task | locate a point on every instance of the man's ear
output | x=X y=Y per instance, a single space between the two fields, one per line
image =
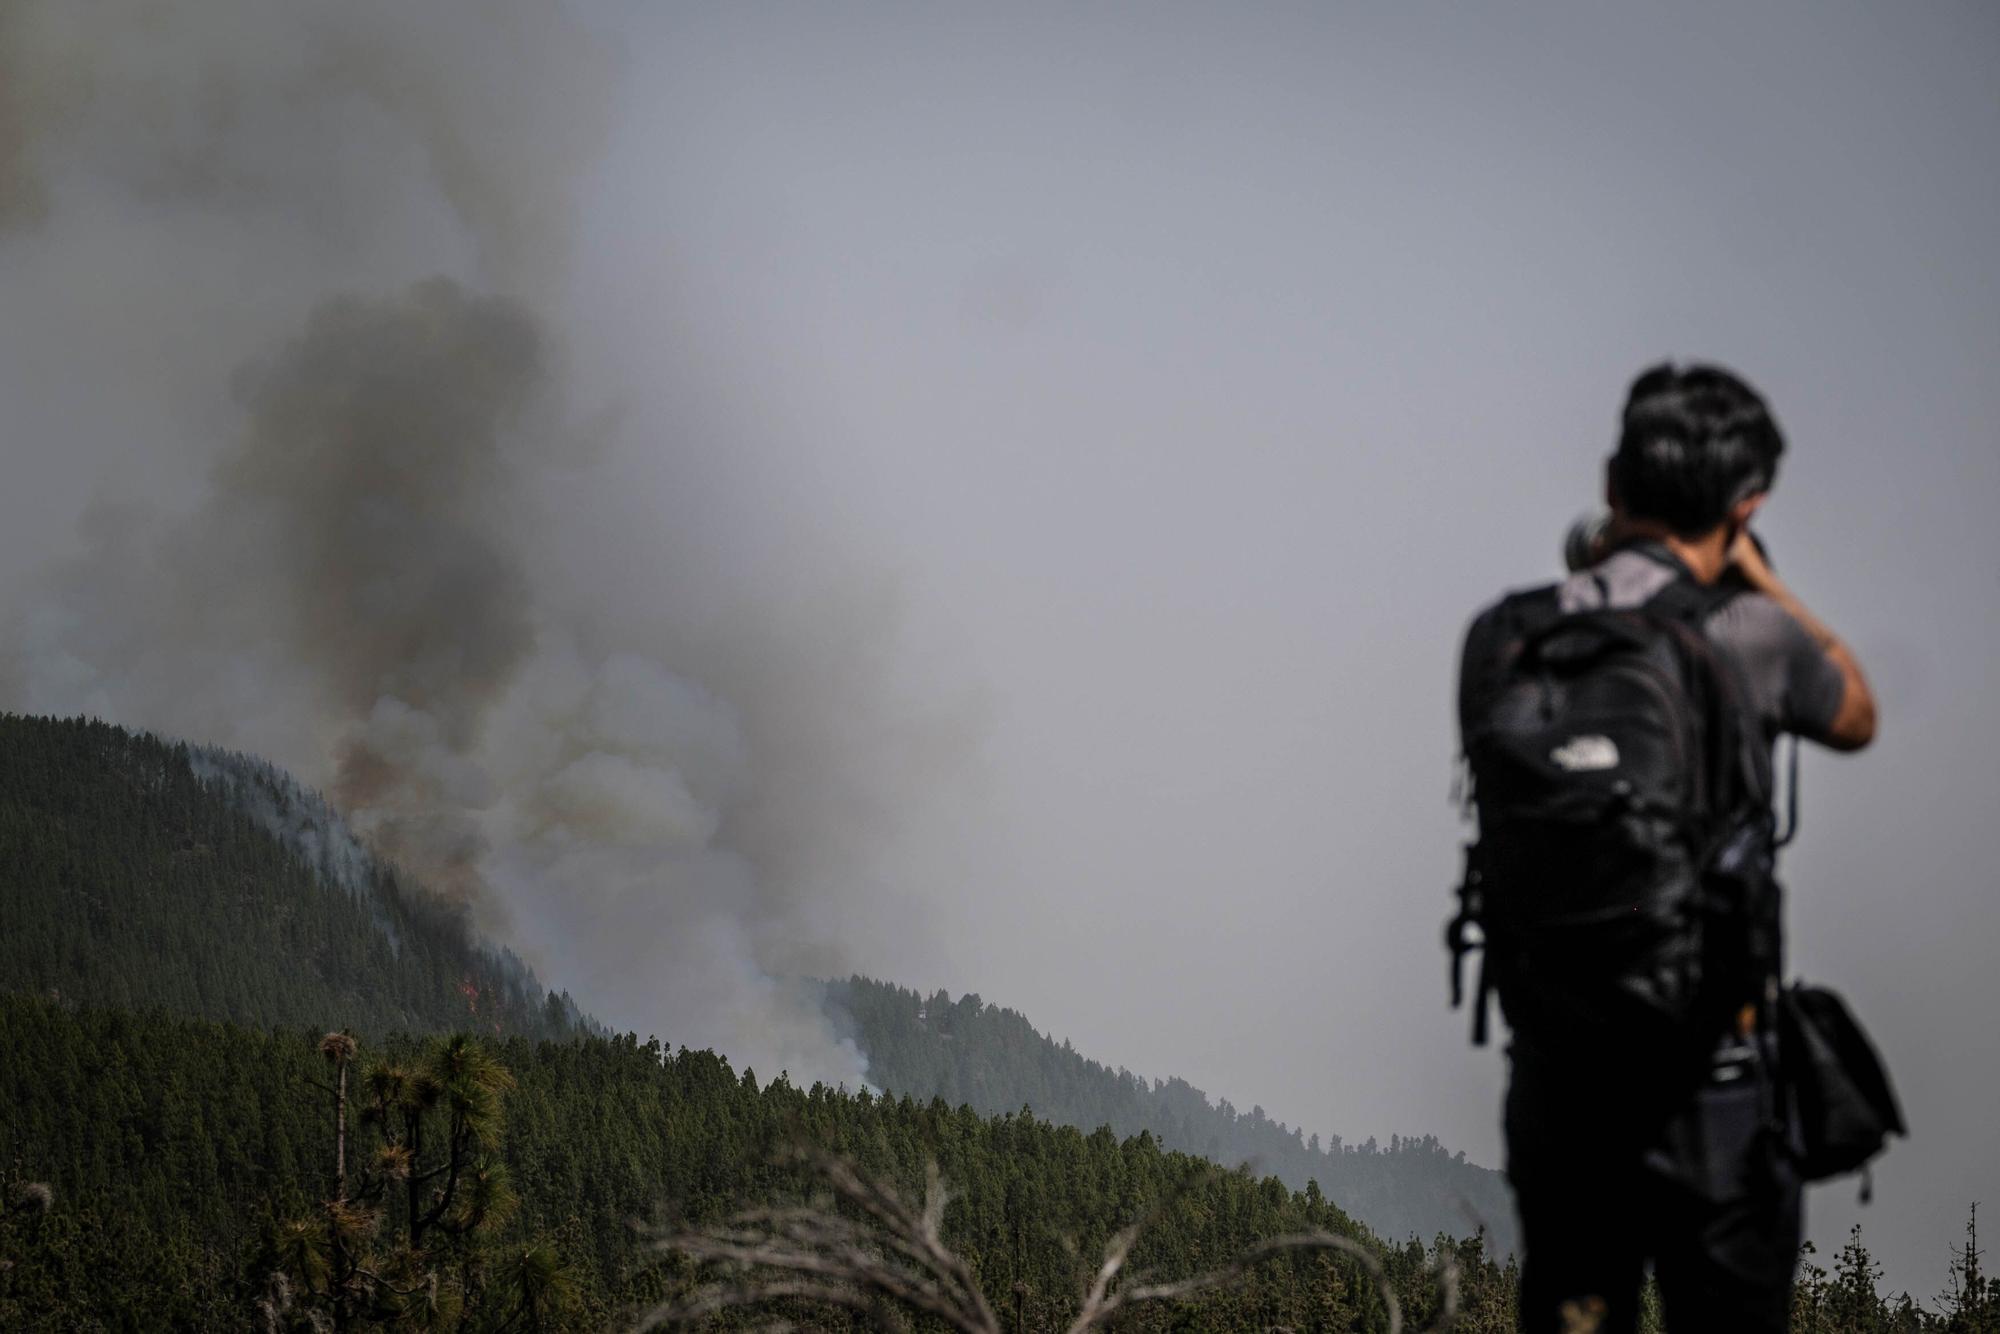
x=1611 y=500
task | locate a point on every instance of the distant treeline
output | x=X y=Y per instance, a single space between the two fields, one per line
x=995 y=1060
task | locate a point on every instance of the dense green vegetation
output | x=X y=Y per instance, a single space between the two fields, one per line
x=142 y=873
x=175 y=1153
x=176 y=1150
x=993 y=1059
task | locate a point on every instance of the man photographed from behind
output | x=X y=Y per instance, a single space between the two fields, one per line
x=1620 y=1152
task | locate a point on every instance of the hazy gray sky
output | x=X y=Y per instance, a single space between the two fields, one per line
x=1091 y=429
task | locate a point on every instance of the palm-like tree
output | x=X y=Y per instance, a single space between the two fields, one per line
x=540 y=1289
x=438 y=1121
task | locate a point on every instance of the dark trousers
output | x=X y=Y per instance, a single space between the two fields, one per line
x=1613 y=1169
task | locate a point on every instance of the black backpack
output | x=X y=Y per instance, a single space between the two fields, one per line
x=1621 y=884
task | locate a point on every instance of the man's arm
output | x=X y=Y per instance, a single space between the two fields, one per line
x=1853 y=724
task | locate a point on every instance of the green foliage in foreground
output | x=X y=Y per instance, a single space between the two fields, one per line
x=155 y=1171
x=994 y=1060
x=177 y=1151
x=140 y=873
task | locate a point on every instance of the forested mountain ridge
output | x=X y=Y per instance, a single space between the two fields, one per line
x=144 y=873
x=995 y=1060
x=178 y=928
x=148 y=1165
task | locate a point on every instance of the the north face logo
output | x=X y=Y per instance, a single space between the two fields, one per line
x=1586 y=754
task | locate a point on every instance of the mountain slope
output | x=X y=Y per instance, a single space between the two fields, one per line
x=995 y=1060
x=148 y=875
x=168 y=1151
x=141 y=873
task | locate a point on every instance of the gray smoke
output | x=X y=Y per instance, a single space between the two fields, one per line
x=313 y=258
x=374 y=483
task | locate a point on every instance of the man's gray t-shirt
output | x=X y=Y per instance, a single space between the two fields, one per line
x=1793 y=685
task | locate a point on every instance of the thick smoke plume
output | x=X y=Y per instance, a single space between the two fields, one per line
x=312 y=257
x=375 y=468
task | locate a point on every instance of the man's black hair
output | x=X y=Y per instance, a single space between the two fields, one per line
x=1695 y=441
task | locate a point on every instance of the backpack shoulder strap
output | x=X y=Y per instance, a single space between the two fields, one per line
x=1734 y=739
x=1693 y=603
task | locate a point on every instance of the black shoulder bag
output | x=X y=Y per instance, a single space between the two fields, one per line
x=1843 y=1108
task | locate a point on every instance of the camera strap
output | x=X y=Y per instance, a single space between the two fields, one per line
x=1791 y=793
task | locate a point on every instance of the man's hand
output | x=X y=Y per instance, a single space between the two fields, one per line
x=1853 y=725
x=1747 y=559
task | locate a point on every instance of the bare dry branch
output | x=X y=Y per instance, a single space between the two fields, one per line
x=817 y=1256
x=1099 y=1308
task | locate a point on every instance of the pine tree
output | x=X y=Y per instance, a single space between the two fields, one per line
x=1972 y=1301
x=1809 y=1295
x=1852 y=1303
x=411 y=1238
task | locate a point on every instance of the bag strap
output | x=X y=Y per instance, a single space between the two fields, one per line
x=1739 y=747
x=1462 y=935
x=1791 y=793
x=1691 y=602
